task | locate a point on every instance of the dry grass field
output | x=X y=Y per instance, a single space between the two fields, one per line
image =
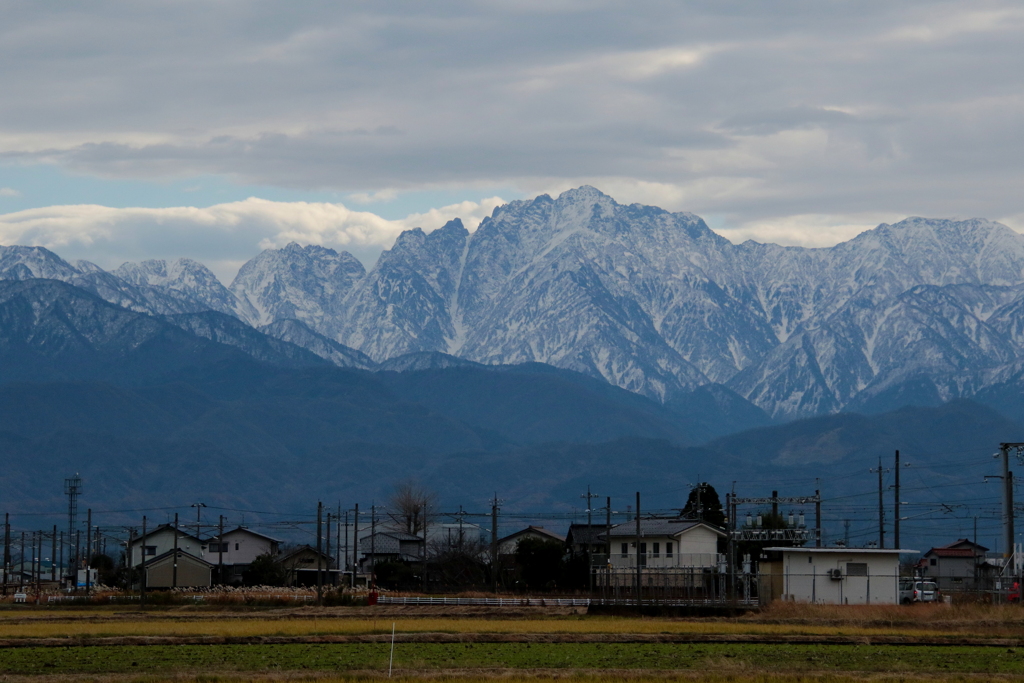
x=783 y=643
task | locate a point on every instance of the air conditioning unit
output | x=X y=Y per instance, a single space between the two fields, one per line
x=835 y=574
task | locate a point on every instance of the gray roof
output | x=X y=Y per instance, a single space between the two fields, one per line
x=659 y=527
x=583 y=534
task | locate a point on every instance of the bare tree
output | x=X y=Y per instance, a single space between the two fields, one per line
x=409 y=504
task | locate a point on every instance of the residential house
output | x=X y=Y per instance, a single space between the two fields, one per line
x=587 y=538
x=160 y=540
x=390 y=546
x=235 y=550
x=672 y=553
x=508 y=544
x=834 y=576
x=958 y=566
x=302 y=564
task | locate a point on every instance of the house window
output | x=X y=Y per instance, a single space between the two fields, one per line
x=657 y=549
x=856 y=568
x=668 y=549
x=625 y=550
x=933 y=562
x=236 y=546
x=151 y=550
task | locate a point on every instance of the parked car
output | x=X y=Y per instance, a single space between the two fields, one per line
x=918 y=590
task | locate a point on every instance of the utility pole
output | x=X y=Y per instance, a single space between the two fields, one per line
x=881 y=505
x=608 y=540
x=373 y=543
x=143 y=578
x=53 y=556
x=174 y=565
x=6 y=550
x=327 y=547
x=590 y=562
x=199 y=524
x=817 y=518
x=896 y=511
x=424 y=546
x=220 y=550
x=88 y=554
x=639 y=571
x=319 y=554
x=355 y=547
x=1008 y=547
x=494 y=541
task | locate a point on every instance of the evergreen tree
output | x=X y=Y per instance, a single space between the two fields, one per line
x=704 y=504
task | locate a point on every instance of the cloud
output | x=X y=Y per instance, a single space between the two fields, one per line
x=751 y=113
x=9 y=192
x=222 y=236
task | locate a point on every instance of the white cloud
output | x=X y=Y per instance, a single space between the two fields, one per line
x=746 y=112
x=9 y=192
x=223 y=235
x=808 y=230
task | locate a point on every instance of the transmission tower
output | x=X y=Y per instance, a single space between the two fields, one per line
x=72 y=488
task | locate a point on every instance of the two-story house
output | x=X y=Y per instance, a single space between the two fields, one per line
x=958 y=566
x=160 y=540
x=235 y=550
x=671 y=553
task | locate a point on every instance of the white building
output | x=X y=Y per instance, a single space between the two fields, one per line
x=664 y=544
x=160 y=540
x=237 y=549
x=834 y=576
x=678 y=554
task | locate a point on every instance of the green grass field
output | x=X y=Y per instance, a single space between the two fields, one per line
x=482 y=657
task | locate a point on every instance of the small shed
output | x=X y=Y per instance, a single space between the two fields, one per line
x=832 y=576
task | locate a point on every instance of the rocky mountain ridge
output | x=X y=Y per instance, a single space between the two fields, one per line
x=921 y=312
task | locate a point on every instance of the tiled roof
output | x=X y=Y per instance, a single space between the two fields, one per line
x=951 y=552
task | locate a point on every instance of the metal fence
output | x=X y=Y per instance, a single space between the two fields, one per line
x=495 y=602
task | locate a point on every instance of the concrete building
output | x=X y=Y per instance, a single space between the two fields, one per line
x=834 y=576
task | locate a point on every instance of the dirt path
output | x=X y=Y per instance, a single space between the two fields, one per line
x=673 y=638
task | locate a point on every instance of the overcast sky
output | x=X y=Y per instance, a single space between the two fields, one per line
x=137 y=130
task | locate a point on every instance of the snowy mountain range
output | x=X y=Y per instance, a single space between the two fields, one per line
x=919 y=312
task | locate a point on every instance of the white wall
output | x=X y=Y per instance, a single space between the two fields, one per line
x=805 y=578
x=243 y=548
x=164 y=542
